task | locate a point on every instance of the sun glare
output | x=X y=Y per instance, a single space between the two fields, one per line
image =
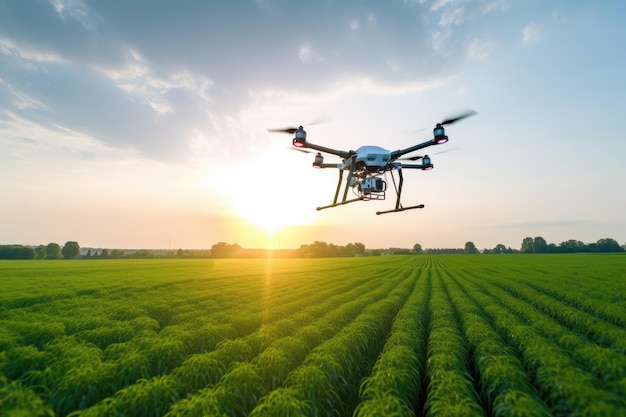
x=270 y=192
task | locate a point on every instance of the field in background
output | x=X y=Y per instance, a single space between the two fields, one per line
x=498 y=335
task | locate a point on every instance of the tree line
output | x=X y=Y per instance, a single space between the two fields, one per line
x=52 y=250
x=317 y=249
x=530 y=245
x=539 y=245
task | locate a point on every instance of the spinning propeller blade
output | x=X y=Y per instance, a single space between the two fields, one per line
x=458 y=117
x=288 y=130
x=418 y=157
x=291 y=130
x=301 y=150
x=412 y=158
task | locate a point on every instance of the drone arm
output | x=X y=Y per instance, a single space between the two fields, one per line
x=319 y=148
x=416 y=166
x=401 y=152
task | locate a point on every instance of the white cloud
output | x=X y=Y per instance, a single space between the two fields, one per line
x=458 y=12
x=366 y=84
x=438 y=4
x=439 y=39
x=22 y=100
x=75 y=9
x=25 y=138
x=22 y=53
x=307 y=53
x=136 y=77
x=531 y=34
x=304 y=53
x=454 y=16
x=477 y=50
x=160 y=107
x=134 y=67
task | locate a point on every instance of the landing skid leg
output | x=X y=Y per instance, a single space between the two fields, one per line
x=400 y=209
x=341 y=203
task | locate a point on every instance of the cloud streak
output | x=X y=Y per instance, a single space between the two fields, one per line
x=531 y=34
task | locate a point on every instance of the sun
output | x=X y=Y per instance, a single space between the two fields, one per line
x=267 y=211
x=271 y=191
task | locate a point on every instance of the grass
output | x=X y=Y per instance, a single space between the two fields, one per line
x=501 y=335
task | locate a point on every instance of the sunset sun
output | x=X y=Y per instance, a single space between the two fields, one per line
x=271 y=196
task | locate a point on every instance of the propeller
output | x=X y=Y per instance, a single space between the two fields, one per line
x=301 y=150
x=288 y=130
x=324 y=118
x=448 y=121
x=418 y=157
x=309 y=151
x=458 y=117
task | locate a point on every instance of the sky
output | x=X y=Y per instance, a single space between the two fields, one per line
x=143 y=124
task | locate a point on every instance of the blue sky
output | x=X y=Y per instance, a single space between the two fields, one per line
x=142 y=124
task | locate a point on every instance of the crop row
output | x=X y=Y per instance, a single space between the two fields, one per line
x=595 y=328
x=396 y=380
x=504 y=386
x=310 y=324
x=304 y=379
x=548 y=351
x=413 y=335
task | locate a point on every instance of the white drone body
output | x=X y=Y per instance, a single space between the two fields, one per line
x=373 y=156
x=368 y=164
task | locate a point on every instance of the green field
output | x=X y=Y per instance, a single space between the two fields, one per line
x=446 y=335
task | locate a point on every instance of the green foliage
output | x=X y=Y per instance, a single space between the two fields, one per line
x=367 y=336
x=70 y=250
x=16 y=252
x=18 y=401
x=470 y=248
x=53 y=251
x=41 y=253
x=282 y=402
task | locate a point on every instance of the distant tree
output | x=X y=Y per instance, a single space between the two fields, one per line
x=528 y=245
x=224 y=250
x=359 y=248
x=116 y=254
x=500 y=248
x=470 y=248
x=88 y=255
x=70 y=250
x=608 y=245
x=16 y=252
x=417 y=248
x=445 y=251
x=143 y=254
x=53 y=251
x=540 y=245
x=104 y=253
x=571 y=246
x=40 y=254
x=399 y=251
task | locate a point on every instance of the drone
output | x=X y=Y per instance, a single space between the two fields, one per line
x=368 y=165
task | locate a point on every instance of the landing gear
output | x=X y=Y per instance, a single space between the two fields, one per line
x=371 y=188
x=399 y=206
